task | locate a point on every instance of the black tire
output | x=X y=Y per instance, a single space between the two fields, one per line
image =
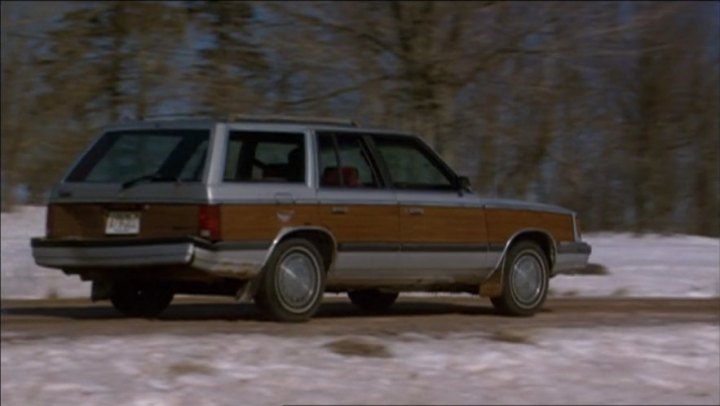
x=278 y=289
x=140 y=300
x=372 y=300
x=518 y=298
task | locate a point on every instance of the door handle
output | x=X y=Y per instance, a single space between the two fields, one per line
x=339 y=210
x=415 y=211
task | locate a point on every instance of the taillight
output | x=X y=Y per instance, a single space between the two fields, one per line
x=209 y=222
x=49 y=220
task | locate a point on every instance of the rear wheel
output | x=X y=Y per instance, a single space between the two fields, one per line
x=525 y=280
x=292 y=283
x=140 y=300
x=372 y=300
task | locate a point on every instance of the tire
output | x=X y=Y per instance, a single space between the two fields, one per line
x=140 y=300
x=372 y=300
x=525 y=280
x=292 y=282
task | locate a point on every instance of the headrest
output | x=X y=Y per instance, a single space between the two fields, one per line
x=331 y=176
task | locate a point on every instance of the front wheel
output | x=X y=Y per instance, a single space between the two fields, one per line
x=525 y=280
x=140 y=300
x=292 y=283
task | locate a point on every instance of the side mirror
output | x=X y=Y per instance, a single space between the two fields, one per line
x=463 y=183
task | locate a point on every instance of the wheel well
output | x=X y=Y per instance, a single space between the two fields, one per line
x=322 y=240
x=540 y=238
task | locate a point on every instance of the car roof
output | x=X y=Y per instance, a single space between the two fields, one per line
x=250 y=123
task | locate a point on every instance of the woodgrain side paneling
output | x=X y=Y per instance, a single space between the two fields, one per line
x=262 y=222
x=361 y=223
x=443 y=225
x=503 y=223
x=156 y=221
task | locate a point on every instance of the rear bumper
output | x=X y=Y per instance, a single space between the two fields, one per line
x=571 y=257
x=242 y=261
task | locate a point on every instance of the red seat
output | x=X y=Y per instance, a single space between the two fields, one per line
x=331 y=176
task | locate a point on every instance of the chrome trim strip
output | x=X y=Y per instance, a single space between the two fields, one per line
x=373 y=202
x=443 y=247
x=368 y=247
x=240 y=246
x=272 y=202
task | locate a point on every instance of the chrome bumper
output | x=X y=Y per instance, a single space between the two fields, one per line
x=229 y=260
x=571 y=257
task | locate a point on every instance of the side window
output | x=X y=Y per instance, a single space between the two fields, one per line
x=265 y=157
x=412 y=165
x=344 y=162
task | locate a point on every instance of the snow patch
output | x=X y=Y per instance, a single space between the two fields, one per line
x=671 y=364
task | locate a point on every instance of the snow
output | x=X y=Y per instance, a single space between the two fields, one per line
x=639 y=266
x=20 y=277
x=648 y=266
x=677 y=364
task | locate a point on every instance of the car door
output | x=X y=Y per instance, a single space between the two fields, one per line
x=358 y=208
x=442 y=230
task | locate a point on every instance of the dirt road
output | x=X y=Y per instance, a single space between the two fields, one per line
x=433 y=316
x=448 y=350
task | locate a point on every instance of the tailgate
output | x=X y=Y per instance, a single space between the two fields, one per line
x=110 y=220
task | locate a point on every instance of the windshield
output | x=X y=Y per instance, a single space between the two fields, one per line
x=161 y=155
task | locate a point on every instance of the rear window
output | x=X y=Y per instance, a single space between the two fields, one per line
x=265 y=157
x=168 y=155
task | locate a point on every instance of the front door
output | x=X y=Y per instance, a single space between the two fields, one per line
x=442 y=231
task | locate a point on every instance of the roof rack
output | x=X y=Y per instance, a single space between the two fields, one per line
x=248 y=118
x=291 y=119
x=177 y=115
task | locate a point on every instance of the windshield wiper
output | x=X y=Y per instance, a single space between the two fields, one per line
x=152 y=177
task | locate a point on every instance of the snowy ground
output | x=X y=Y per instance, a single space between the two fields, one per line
x=644 y=365
x=664 y=364
x=671 y=266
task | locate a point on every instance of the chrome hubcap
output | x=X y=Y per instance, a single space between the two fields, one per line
x=527 y=279
x=297 y=279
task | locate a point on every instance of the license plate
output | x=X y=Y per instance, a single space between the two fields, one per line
x=122 y=222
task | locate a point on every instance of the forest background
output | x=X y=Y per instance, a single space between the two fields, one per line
x=609 y=108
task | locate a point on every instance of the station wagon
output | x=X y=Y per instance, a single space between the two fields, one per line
x=281 y=210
